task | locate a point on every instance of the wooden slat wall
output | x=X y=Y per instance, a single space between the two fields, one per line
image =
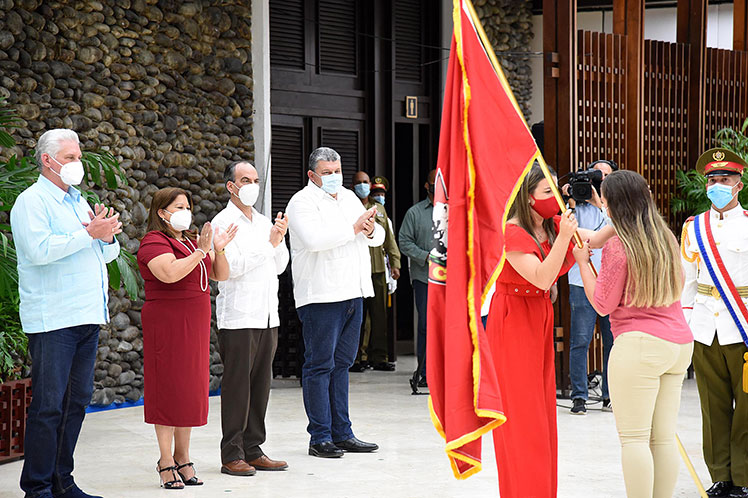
x=601 y=98
x=726 y=81
x=666 y=67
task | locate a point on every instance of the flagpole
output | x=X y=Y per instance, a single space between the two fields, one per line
x=691 y=470
x=497 y=69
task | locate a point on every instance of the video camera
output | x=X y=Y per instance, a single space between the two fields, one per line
x=581 y=184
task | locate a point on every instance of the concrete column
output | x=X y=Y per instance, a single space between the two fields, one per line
x=261 y=130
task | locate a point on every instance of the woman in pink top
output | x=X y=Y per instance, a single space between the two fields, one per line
x=639 y=285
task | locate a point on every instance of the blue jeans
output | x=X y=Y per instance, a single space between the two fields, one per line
x=331 y=332
x=421 y=291
x=583 y=317
x=62 y=370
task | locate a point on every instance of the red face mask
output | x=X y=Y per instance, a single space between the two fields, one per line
x=547 y=208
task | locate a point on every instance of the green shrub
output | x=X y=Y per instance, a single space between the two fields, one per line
x=690 y=198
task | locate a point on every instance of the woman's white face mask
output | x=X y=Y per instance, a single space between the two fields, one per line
x=180 y=220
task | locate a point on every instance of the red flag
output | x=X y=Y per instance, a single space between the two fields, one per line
x=485 y=149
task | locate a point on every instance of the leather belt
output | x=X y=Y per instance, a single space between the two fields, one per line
x=710 y=290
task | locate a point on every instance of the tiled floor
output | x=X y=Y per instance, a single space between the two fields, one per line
x=117 y=452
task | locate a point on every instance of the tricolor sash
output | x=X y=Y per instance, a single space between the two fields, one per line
x=722 y=281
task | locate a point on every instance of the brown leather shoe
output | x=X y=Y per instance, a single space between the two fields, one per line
x=265 y=463
x=238 y=468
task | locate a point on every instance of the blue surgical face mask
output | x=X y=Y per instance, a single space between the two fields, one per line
x=720 y=195
x=362 y=190
x=378 y=198
x=331 y=183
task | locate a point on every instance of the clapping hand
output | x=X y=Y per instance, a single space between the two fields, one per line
x=104 y=224
x=222 y=238
x=365 y=222
x=278 y=230
x=205 y=238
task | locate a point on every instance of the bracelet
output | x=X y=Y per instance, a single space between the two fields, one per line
x=221 y=251
x=204 y=253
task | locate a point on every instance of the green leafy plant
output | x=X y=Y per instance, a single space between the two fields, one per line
x=14 y=359
x=690 y=198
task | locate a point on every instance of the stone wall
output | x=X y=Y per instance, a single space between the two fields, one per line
x=165 y=85
x=508 y=25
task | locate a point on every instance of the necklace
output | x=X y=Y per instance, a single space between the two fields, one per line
x=540 y=235
x=203 y=268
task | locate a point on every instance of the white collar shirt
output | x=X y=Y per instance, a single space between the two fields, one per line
x=249 y=298
x=329 y=262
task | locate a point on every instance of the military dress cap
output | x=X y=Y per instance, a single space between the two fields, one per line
x=719 y=161
x=380 y=183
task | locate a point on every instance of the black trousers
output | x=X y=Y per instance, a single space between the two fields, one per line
x=247 y=356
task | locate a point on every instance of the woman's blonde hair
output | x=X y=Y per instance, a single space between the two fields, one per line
x=655 y=274
x=521 y=209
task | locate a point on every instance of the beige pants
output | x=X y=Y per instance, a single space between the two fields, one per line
x=645 y=376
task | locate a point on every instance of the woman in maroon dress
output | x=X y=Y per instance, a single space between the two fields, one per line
x=176 y=266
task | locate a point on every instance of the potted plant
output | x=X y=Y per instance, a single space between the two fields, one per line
x=17 y=174
x=691 y=198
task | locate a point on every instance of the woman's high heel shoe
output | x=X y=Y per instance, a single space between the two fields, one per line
x=175 y=483
x=192 y=481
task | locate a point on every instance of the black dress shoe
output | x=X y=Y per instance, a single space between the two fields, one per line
x=422 y=382
x=720 y=489
x=357 y=368
x=384 y=366
x=739 y=492
x=354 y=445
x=325 y=450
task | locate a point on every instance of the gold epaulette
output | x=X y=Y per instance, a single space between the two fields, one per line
x=684 y=241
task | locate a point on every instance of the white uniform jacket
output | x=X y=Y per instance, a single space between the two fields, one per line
x=708 y=315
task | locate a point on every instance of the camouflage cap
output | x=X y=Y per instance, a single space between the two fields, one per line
x=720 y=161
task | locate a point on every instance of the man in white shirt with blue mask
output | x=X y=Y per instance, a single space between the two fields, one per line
x=247 y=316
x=330 y=232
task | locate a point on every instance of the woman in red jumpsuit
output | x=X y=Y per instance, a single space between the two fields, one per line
x=520 y=329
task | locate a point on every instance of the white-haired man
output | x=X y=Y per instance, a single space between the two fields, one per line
x=63 y=248
x=331 y=233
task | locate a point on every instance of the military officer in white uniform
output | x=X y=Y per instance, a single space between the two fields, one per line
x=719 y=347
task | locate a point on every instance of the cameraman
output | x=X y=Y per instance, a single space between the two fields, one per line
x=590 y=215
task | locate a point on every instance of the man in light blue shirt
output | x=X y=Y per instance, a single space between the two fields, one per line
x=583 y=316
x=63 y=247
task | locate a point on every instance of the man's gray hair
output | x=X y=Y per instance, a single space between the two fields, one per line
x=229 y=174
x=322 y=154
x=51 y=142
